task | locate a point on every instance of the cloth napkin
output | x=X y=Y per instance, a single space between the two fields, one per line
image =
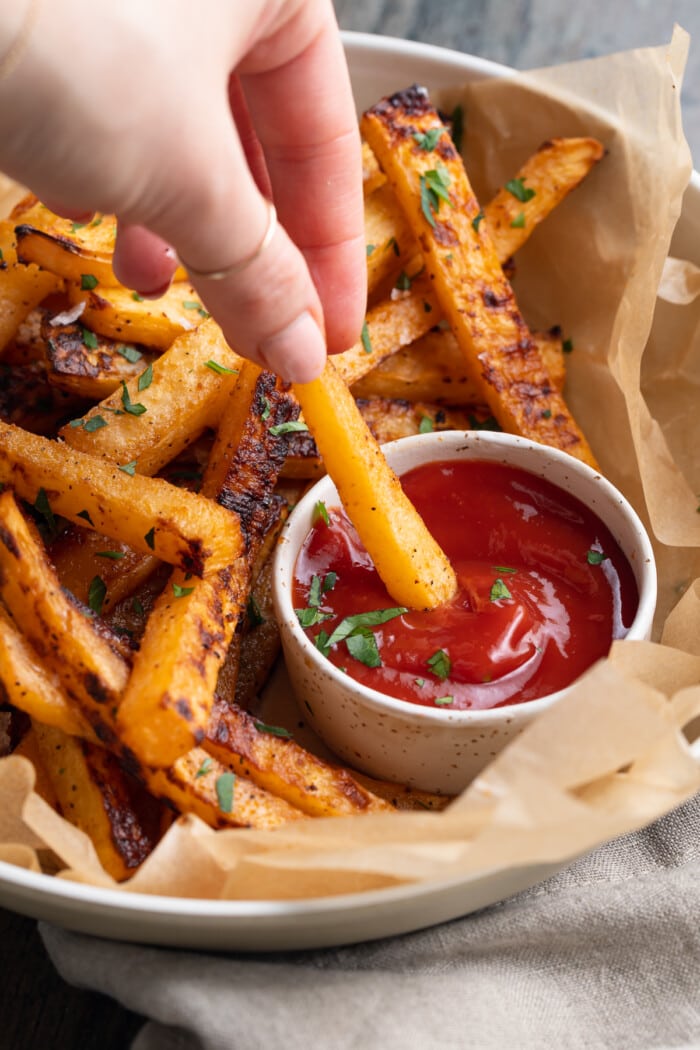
x=605 y=954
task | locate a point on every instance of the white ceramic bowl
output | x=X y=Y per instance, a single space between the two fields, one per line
x=378 y=65
x=438 y=749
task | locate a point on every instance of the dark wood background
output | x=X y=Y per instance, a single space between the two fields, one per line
x=37 y=1009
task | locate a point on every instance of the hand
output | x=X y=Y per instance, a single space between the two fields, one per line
x=181 y=119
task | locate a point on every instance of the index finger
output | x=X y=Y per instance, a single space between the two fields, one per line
x=304 y=115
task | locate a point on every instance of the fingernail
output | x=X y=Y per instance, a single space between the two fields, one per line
x=156 y=293
x=297 y=352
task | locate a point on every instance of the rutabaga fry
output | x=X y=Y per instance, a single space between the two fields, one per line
x=414 y=569
x=183 y=393
x=461 y=260
x=149 y=514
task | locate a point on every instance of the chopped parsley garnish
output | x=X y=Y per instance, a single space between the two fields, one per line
x=192 y=304
x=75 y=226
x=369 y=619
x=310 y=616
x=204 y=768
x=366 y=342
x=97 y=592
x=547 y=413
x=567 y=346
x=129 y=468
x=84 y=514
x=90 y=339
x=426 y=425
x=320 y=513
x=440 y=664
x=88 y=281
x=427 y=140
x=252 y=609
x=499 y=590
x=594 y=557
x=420 y=682
x=265 y=414
x=319 y=587
x=136 y=297
x=519 y=221
x=369 y=248
x=130 y=353
x=393 y=243
x=434 y=188
x=403 y=282
x=43 y=507
x=363 y=646
x=91 y=424
x=294 y=426
x=145 y=379
x=224 y=791
x=520 y=191
x=150 y=538
x=181 y=592
x=280 y=731
x=138 y=608
x=483 y=424
x=503 y=568
x=134 y=409
x=112 y=555
x=444 y=701
x=221 y=370
x=476 y=221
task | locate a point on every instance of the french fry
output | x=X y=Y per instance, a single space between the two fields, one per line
x=93 y=793
x=81 y=555
x=168 y=700
x=89 y=367
x=118 y=314
x=31 y=688
x=432 y=369
x=198 y=783
x=70 y=249
x=91 y=674
x=271 y=759
x=551 y=173
x=432 y=187
x=28 y=400
x=390 y=244
x=150 y=515
x=22 y=288
x=414 y=569
x=189 y=385
x=389 y=325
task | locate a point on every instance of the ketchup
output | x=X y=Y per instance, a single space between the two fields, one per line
x=543 y=591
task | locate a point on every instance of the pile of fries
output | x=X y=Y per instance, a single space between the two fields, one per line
x=147 y=469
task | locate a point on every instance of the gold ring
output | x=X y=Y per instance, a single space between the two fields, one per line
x=237 y=267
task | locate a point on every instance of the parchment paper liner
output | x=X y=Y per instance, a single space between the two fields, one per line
x=611 y=757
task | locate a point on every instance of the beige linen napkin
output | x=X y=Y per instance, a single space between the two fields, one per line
x=604 y=955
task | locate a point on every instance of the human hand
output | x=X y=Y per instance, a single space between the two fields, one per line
x=134 y=109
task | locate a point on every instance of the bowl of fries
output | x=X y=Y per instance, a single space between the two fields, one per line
x=166 y=643
x=437 y=748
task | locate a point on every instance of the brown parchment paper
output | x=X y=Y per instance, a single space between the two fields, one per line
x=612 y=756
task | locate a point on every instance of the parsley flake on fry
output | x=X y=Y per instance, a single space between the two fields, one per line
x=90 y=339
x=204 y=768
x=279 y=731
x=519 y=190
x=224 y=791
x=294 y=426
x=427 y=140
x=221 y=370
x=97 y=592
x=181 y=592
x=88 y=281
x=366 y=341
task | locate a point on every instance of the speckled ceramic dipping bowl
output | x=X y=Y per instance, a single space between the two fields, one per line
x=437 y=749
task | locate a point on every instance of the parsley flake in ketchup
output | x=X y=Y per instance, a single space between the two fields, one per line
x=543 y=591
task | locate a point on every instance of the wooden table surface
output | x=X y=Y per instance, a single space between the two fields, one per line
x=37 y=1009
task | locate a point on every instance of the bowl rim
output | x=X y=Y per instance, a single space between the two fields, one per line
x=417 y=714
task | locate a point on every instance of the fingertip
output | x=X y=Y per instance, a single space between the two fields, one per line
x=143 y=261
x=297 y=352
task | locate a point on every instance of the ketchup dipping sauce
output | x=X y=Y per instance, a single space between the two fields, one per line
x=544 y=590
